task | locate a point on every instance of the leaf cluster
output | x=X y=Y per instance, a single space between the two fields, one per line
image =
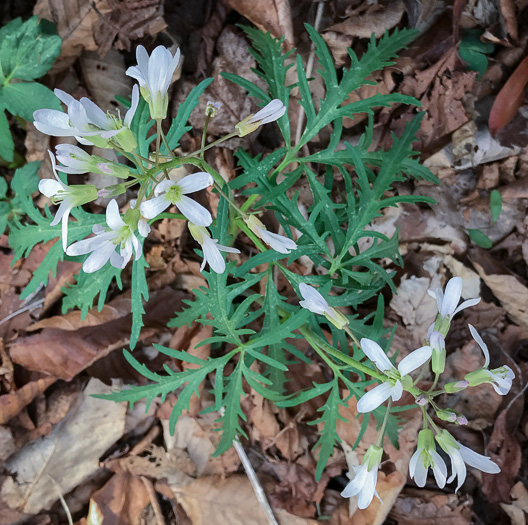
x=27 y=51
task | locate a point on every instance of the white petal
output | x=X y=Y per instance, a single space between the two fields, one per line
x=99 y=257
x=374 y=398
x=473 y=459
x=355 y=485
x=116 y=260
x=458 y=468
x=153 y=207
x=369 y=488
x=113 y=217
x=313 y=300
x=88 y=245
x=420 y=476
x=467 y=304
x=195 y=182
x=414 y=460
x=227 y=249
x=50 y=187
x=414 y=360
x=143 y=228
x=439 y=469
x=438 y=296
x=376 y=354
x=482 y=344
x=133 y=107
x=137 y=74
x=194 y=212
x=397 y=391
x=54 y=123
x=213 y=256
x=64 y=209
x=65 y=229
x=452 y=295
x=279 y=243
x=95 y=114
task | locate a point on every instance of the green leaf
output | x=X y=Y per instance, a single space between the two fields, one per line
x=495 y=205
x=178 y=127
x=473 y=51
x=5 y=210
x=7 y=146
x=23 y=98
x=480 y=239
x=138 y=293
x=83 y=293
x=3 y=188
x=28 y=50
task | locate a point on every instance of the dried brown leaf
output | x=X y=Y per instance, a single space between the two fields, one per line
x=11 y=404
x=509 y=99
x=64 y=353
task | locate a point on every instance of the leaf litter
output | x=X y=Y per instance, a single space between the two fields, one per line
x=52 y=432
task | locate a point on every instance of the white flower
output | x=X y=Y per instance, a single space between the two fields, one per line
x=87 y=122
x=105 y=243
x=392 y=387
x=68 y=196
x=317 y=304
x=500 y=378
x=76 y=160
x=460 y=455
x=210 y=247
x=427 y=457
x=279 y=243
x=169 y=192
x=448 y=303
x=269 y=113
x=143 y=226
x=154 y=75
x=363 y=485
x=212 y=108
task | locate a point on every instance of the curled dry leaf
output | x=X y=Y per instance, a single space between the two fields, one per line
x=268 y=15
x=64 y=353
x=121 y=500
x=509 y=99
x=16 y=400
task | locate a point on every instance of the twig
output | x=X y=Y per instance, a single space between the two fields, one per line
x=309 y=67
x=257 y=487
x=36 y=304
x=160 y=520
x=63 y=501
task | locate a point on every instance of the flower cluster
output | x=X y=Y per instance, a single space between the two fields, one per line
x=123 y=235
x=397 y=379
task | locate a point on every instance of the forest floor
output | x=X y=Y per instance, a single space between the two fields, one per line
x=124 y=460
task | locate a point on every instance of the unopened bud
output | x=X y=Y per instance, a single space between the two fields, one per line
x=446 y=415
x=112 y=191
x=456 y=386
x=461 y=420
x=422 y=400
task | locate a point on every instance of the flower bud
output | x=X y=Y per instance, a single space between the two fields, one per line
x=456 y=386
x=438 y=358
x=446 y=415
x=212 y=108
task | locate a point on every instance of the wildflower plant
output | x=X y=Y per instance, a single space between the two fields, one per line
x=254 y=332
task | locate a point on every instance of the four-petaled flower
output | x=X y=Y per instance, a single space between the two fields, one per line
x=88 y=123
x=169 y=192
x=269 y=113
x=279 y=243
x=210 y=247
x=392 y=387
x=154 y=75
x=363 y=485
x=103 y=247
x=317 y=304
x=427 y=457
x=460 y=455
x=500 y=378
x=68 y=196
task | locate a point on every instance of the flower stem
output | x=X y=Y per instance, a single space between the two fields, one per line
x=158 y=139
x=379 y=442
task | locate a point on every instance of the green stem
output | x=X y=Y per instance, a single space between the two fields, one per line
x=379 y=441
x=158 y=139
x=209 y=146
x=204 y=135
x=352 y=336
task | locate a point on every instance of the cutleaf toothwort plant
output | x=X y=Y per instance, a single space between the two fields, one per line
x=253 y=332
